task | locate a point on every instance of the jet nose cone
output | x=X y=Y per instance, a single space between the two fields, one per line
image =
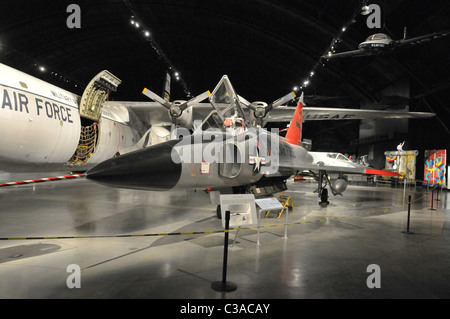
x=151 y=168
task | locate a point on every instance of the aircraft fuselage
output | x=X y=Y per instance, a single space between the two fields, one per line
x=40 y=126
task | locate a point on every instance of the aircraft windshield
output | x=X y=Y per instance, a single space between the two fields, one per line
x=225 y=100
x=378 y=36
x=213 y=121
x=338 y=156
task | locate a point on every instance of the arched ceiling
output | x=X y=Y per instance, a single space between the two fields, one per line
x=265 y=47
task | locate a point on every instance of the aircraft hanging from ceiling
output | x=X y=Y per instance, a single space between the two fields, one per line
x=46 y=128
x=381 y=43
x=238 y=157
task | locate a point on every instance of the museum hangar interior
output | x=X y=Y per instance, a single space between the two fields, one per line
x=267 y=49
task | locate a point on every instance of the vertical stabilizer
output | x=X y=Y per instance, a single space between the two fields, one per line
x=294 y=133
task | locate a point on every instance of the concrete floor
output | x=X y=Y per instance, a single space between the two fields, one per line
x=326 y=254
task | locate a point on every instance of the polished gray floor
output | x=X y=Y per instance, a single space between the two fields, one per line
x=326 y=254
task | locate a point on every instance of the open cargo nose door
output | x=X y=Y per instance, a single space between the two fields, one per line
x=91 y=105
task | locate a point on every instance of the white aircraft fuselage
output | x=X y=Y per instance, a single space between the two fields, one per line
x=40 y=125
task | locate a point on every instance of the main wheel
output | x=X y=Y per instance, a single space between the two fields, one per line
x=324 y=197
x=219 y=212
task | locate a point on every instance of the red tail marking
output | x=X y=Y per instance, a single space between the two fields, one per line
x=294 y=133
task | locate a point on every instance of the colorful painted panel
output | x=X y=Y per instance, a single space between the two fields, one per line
x=435 y=165
x=402 y=162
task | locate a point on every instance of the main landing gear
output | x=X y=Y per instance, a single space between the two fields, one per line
x=323 y=197
x=322 y=190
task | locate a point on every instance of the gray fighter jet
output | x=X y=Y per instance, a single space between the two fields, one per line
x=225 y=152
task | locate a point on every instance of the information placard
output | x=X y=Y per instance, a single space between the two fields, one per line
x=242 y=209
x=268 y=203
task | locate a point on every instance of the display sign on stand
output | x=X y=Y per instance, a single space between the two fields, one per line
x=269 y=203
x=237 y=210
x=242 y=209
x=265 y=205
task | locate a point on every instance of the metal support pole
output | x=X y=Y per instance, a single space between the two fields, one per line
x=224 y=285
x=259 y=228
x=404 y=192
x=432 y=199
x=409 y=212
x=409 y=216
x=235 y=237
x=286 y=222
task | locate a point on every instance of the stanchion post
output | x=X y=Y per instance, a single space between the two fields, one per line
x=409 y=212
x=432 y=199
x=224 y=285
x=286 y=222
x=259 y=228
x=409 y=216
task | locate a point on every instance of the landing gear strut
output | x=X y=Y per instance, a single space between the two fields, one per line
x=322 y=190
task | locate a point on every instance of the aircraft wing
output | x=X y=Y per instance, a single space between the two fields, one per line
x=285 y=113
x=147 y=112
x=153 y=113
x=350 y=169
x=345 y=54
x=335 y=163
x=423 y=38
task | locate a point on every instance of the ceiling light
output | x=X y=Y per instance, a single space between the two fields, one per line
x=343 y=29
x=147 y=34
x=305 y=83
x=365 y=10
x=42 y=69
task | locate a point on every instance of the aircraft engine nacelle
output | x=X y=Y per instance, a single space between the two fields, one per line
x=235 y=166
x=260 y=108
x=185 y=119
x=339 y=185
x=158 y=134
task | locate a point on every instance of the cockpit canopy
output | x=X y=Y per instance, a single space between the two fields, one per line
x=225 y=100
x=338 y=156
x=379 y=36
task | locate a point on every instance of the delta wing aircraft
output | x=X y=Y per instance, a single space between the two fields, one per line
x=227 y=153
x=46 y=128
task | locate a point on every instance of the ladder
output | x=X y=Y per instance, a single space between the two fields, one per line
x=286 y=201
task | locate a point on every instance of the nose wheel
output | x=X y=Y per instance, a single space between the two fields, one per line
x=219 y=212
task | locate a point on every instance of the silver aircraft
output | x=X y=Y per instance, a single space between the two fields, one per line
x=228 y=153
x=381 y=43
x=46 y=128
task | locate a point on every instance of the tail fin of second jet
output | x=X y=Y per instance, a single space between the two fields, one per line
x=294 y=133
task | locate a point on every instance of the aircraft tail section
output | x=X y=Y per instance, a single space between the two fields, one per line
x=294 y=133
